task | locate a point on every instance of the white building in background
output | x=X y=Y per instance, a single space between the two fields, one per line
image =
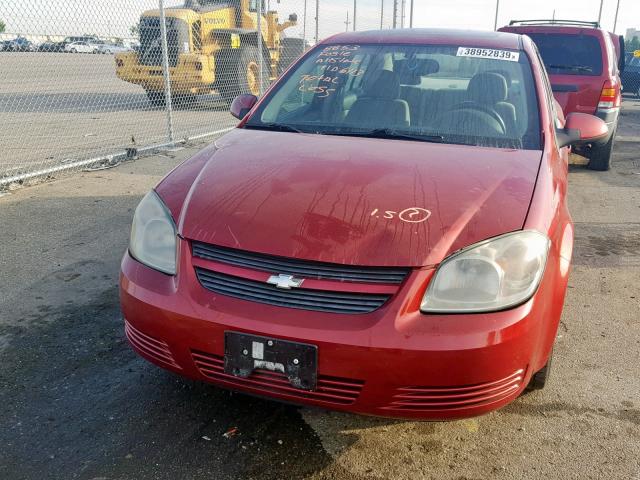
x=632 y=32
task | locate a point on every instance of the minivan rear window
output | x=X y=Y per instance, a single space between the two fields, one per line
x=569 y=54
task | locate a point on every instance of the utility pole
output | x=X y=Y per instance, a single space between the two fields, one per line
x=395 y=13
x=615 y=21
x=495 y=23
x=411 y=15
x=347 y=23
x=260 y=57
x=354 y=14
x=402 y=10
x=165 y=73
x=317 y=13
x=600 y=12
x=304 y=24
x=381 y=13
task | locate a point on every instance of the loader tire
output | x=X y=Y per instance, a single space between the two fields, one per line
x=237 y=73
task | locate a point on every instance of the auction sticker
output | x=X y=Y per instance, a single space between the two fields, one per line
x=488 y=53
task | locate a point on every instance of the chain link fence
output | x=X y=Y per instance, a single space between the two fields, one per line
x=89 y=84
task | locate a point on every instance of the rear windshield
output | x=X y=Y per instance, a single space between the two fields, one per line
x=444 y=94
x=569 y=54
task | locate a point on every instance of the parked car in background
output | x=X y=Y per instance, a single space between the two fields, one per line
x=631 y=76
x=49 y=46
x=5 y=46
x=81 y=47
x=385 y=232
x=110 y=48
x=21 y=44
x=81 y=38
x=584 y=68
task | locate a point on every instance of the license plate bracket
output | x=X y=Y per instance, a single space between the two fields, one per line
x=243 y=353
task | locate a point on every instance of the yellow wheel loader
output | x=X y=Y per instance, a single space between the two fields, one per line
x=212 y=45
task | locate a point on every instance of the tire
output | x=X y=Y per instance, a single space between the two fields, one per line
x=237 y=73
x=156 y=98
x=178 y=100
x=291 y=50
x=540 y=378
x=600 y=155
x=183 y=100
x=73 y=50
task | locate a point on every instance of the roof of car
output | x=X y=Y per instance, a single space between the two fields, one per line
x=425 y=36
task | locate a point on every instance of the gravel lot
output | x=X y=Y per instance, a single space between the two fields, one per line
x=76 y=402
x=83 y=110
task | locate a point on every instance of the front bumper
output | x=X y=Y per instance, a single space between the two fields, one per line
x=393 y=362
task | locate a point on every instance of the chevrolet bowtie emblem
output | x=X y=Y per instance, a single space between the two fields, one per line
x=286 y=282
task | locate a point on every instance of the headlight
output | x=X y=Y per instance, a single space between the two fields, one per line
x=493 y=275
x=153 y=235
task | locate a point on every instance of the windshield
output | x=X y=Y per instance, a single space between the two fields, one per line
x=445 y=94
x=569 y=54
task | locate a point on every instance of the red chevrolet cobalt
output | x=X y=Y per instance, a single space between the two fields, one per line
x=385 y=232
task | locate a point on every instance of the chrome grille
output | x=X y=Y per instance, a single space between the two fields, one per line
x=301 y=298
x=294 y=266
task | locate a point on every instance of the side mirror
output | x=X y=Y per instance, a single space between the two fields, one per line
x=293 y=18
x=242 y=104
x=581 y=128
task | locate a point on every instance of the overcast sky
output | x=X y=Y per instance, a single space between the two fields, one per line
x=114 y=17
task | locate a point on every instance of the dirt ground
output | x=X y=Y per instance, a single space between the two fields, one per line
x=76 y=402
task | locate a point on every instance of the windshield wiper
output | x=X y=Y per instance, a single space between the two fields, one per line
x=279 y=127
x=578 y=68
x=388 y=133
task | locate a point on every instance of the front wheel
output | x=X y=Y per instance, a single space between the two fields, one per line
x=541 y=377
x=184 y=100
x=178 y=100
x=239 y=73
x=156 y=98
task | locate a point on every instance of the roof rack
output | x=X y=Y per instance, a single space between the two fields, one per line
x=571 y=23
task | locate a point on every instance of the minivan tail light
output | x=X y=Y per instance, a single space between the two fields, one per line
x=609 y=97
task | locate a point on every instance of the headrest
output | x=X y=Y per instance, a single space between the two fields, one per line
x=506 y=74
x=487 y=88
x=385 y=84
x=411 y=71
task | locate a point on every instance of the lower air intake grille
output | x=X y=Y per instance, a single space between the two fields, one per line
x=305 y=299
x=452 y=398
x=331 y=390
x=148 y=346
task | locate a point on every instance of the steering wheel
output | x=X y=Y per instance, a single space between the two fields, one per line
x=471 y=105
x=468 y=121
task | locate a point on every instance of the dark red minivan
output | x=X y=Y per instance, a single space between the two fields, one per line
x=385 y=232
x=583 y=62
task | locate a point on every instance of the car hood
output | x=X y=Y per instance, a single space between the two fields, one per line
x=359 y=201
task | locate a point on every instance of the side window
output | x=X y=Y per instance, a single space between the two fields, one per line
x=549 y=93
x=196 y=34
x=253 y=6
